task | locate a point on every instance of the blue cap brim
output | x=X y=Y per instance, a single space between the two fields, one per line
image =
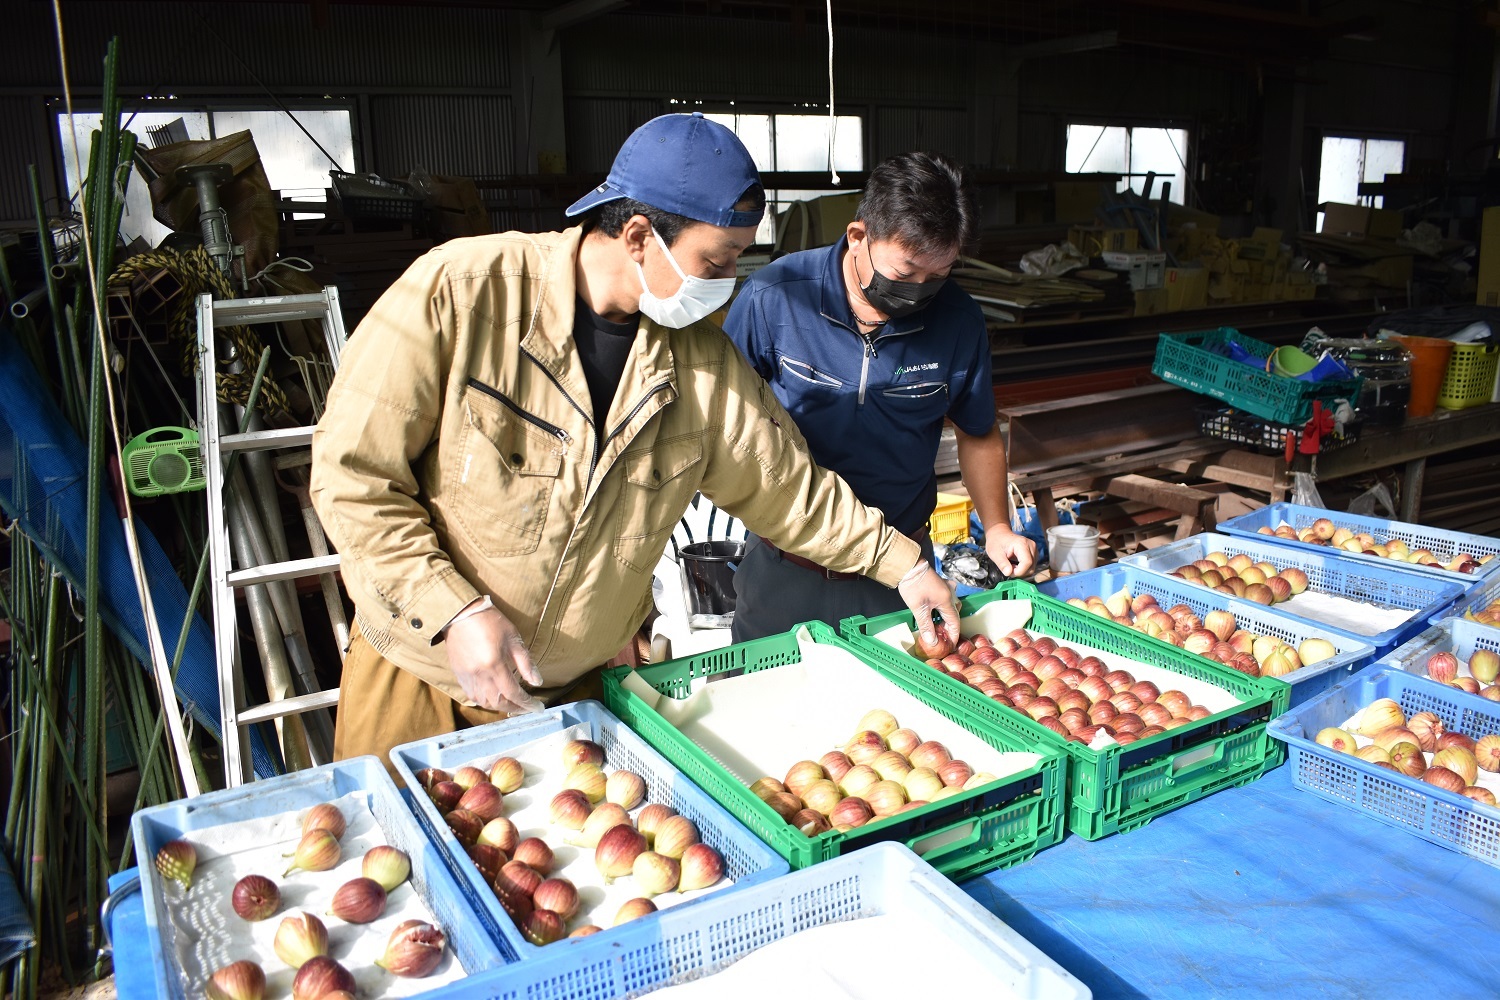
x=598 y=196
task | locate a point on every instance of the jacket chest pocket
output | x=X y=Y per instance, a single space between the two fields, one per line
x=502 y=480
x=658 y=484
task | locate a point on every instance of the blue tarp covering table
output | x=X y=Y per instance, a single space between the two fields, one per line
x=1255 y=891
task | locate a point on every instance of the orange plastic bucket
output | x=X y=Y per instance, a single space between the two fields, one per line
x=1429 y=363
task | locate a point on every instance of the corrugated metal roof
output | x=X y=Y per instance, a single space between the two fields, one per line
x=21 y=146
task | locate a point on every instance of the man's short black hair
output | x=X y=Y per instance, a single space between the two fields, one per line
x=921 y=201
x=610 y=217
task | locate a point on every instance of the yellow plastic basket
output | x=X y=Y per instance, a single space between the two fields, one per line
x=1470 y=378
x=949 y=522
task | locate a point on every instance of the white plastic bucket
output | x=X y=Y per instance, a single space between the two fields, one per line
x=1072 y=548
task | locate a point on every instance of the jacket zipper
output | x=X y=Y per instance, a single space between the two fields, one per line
x=864 y=368
x=631 y=415
x=530 y=418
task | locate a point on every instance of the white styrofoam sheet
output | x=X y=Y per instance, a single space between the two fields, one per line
x=1359 y=617
x=208 y=934
x=999 y=617
x=530 y=809
x=760 y=724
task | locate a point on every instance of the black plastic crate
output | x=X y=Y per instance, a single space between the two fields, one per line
x=1232 y=425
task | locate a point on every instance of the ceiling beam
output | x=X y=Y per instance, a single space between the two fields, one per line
x=576 y=12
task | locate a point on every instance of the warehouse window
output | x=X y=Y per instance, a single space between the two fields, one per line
x=293 y=163
x=1134 y=151
x=796 y=142
x=1347 y=162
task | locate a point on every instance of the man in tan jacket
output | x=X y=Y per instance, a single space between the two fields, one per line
x=519 y=423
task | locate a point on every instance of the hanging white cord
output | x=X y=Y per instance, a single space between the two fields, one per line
x=833 y=121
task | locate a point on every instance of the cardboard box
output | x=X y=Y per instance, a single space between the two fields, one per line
x=457 y=208
x=816 y=222
x=1488 y=274
x=1263 y=244
x=1302 y=292
x=1152 y=301
x=1187 y=288
x=1387 y=272
x=1076 y=201
x=1095 y=241
x=1360 y=220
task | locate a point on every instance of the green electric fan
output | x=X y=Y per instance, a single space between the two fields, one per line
x=164 y=460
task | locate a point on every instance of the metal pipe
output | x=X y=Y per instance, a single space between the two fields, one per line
x=22 y=307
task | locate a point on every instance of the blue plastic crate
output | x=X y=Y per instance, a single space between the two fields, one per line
x=1341 y=575
x=1451 y=635
x=1481 y=596
x=1306 y=682
x=677 y=946
x=1442 y=543
x=1445 y=818
x=192 y=819
x=747 y=861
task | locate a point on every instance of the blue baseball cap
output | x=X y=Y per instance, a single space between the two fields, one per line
x=683 y=164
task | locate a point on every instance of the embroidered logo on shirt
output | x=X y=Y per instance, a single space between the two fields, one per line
x=931 y=366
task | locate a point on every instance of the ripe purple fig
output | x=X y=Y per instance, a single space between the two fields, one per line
x=582 y=752
x=255 y=897
x=415 y=948
x=358 y=901
x=319 y=977
x=325 y=817
x=702 y=866
x=483 y=800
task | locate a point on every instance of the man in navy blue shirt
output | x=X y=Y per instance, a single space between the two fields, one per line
x=869 y=347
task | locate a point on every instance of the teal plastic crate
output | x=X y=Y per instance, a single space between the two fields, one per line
x=1117 y=788
x=1439 y=541
x=675 y=947
x=747 y=861
x=993 y=826
x=194 y=820
x=1192 y=361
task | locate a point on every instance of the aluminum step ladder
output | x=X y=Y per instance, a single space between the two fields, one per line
x=259 y=573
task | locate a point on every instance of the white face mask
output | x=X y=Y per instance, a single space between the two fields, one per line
x=696 y=299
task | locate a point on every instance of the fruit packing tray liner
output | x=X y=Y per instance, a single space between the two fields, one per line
x=757 y=725
x=207 y=934
x=1347 y=614
x=530 y=809
x=825 y=969
x=999 y=617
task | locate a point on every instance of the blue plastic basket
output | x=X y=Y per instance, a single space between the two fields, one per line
x=1306 y=682
x=676 y=945
x=1441 y=543
x=193 y=818
x=747 y=861
x=1451 y=635
x=1445 y=818
x=1343 y=576
x=1481 y=596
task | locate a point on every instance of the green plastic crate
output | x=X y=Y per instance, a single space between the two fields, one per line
x=995 y=826
x=1118 y=788
x=1189 y=360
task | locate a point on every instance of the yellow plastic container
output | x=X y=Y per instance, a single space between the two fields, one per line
x=949 y=522
x=1470 y=377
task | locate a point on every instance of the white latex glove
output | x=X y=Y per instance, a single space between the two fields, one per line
x=925 y=592
x=490 y=661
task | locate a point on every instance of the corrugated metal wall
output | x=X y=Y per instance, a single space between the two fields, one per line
x=447 y=134
x=22 y=144
x=935 y=130
x=362 y=48
x=597 y=126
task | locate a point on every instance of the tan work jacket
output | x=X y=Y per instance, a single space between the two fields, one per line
x=456 y=458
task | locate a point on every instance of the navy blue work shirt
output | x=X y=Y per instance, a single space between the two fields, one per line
x=870 y=405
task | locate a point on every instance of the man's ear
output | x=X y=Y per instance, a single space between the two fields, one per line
x=636 y=232
x=855 y=232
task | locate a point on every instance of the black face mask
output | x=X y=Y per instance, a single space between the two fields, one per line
x=897 y=298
